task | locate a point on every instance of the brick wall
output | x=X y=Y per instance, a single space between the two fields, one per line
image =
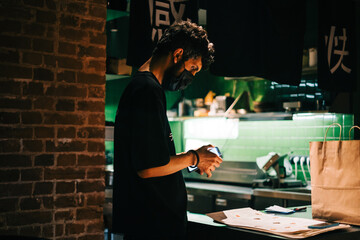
x=52 y=99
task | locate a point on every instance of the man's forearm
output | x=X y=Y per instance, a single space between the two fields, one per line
x=176 y=163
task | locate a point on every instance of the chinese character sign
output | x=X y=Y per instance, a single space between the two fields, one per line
x=149 y=19
x=337 y=67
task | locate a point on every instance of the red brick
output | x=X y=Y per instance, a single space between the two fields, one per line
x=32 y=146
x=47 y=103
x=92 y=51
x=10 y=26
x=48 y=202
x=95 y=199
x=65 y=187
x=50 y=33
x=48 y=231
x=69 y=20
x=91 y=78
x=75 y=228
x=67 y=48
x=12 y=88
x=93 y=25
x=30 y=231
x=43 y=45
x=15 y=189
x=27 y=218
x=98 y=38
x=96 y=146
x=9 y=146
x=66 y=160
x=65 y=201
x=95 y=173
x=65 y=105
x=66 y=76
x=88 y=213
x=17 y=13
x=98 y=11
x=65 y=146
x=96 y=227
x=66 y=118
x=64 y=215
x=9 y=117
x=45 y=17
x=8 y=231
x=15 y=160
x=69 y=34
x=43 y=188
x=9 y=56
x=68 y=132
x=10 y=132
x=34 y=29
x=91 y=160
x=91 y=132
x=31 y=118
x=15 y=71
x=50 y=4
x=9 y=204
x=91 y=106
x=44 y=160
x=77 y=8
x=32 y=58
x=59 y=230
x=33 y=174
x=15 y=103
x=91 y=186
x=43 y=74
x=44 y=132
x=66 y=91
x=15 y=42
x=64 y=173
x=34 y=3
x=50 y=61
x=33 y=89
x=98 y=66
x=69 y=63
x=30 y=203
x=97 y=119
x=9 y=175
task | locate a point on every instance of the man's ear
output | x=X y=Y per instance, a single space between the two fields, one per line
x=177 y=55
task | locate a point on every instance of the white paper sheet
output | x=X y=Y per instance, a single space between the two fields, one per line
x=248 y=217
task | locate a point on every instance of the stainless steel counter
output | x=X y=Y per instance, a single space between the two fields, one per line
x=300 y=193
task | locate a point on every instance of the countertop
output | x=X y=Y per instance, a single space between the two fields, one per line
x=201 y=226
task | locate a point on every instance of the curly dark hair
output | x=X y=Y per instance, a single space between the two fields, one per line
x=191 y=38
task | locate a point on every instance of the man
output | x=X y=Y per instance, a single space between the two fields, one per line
x=149 y=200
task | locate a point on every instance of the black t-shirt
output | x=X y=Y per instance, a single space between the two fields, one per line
x=153 y=207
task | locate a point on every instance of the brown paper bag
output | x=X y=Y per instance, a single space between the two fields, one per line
x=335 y=180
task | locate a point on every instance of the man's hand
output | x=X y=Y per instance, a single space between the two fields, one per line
x=208 y=160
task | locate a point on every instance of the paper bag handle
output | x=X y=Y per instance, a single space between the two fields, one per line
x=351 y=130
x=334 y=124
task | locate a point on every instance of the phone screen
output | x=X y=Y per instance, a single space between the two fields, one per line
x=323 y=225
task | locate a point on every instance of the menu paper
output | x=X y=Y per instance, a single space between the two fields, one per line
x=284 y=226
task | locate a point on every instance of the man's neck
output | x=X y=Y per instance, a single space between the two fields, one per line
x=156 y=67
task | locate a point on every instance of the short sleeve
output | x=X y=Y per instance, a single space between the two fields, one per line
x=149 y=133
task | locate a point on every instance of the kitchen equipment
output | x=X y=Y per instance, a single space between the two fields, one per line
x=277 y=172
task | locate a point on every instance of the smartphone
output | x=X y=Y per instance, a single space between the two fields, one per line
x=215 y=150
x=323 y=225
